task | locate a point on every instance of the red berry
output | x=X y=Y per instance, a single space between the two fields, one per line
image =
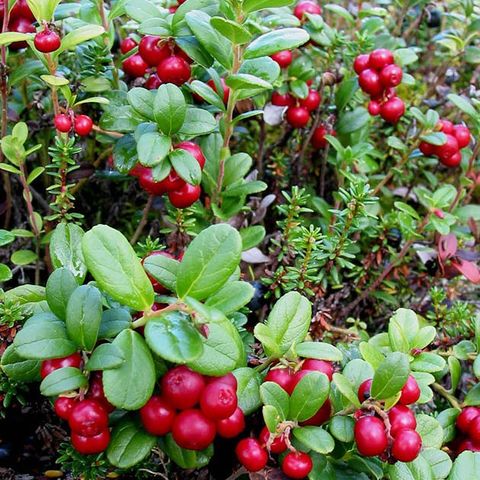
x=63 y=123
x=318 y=366
x=364 y=390
x=82 y=125
x=226 y=89
x=194 y=150
x=474 y=429
x=380 y=58
x=251 y=455
x=297 y=465
x=282 y=377
x=63 y=406
x=312 y=101
x=90 y=445
x=20 y=25
x=95 y=391
x=448 y=149
x=369 y=81
x=361 y=63
x=298 y=117
x=232 y=426
x=282 y=99
x=135 y=66
x=374 y=107
x=48 y=366
x=370 y=436
x=185 y=196
x=88 y=418
x=468 y=445
x=406 y=445
x=153 y=82
x=153 y=50
x=278 y=445
x=391 y=76
x=193 y=430
x=174 y=70
x=410 y=392
x=466 y=416
x=47 y=41
x=392 y=110
x=462 y=134
x=322 y=415
x=401 y=418
x=127 y=44
x=182 y=387
x=306 y=6
x=283 y=58
x=157 y=416
x=427 y=148
x=318 y=137
x=22 y=10
x=218 y=400
x=228 y=379
x=446 y=126
x=454 y=161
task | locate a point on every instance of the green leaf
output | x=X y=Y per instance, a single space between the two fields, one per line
x=353 y=120
x=104 y=357
x=390 y=376
x=7 y=38
x=131 y=385
x=275 y=41
x=419 y=469
x=6 y=237
x=315 y=438
x=113 y=263
x=209 y=261
x=60 y=286
x=5 y=273
x=252 y=236
x=439 y=461
x=467 y=465
x=402 y=329
x=162 y=269
x=308 y=396
x=254 y=5
x=271 y=417
x=78 y=36
x=207 y=93
x=437 y=138
x=319 y=350
x=174 y=338
x=341 y=427
x=463 y=104
x=345 y=387
x=275 y=395
x=23 y=257
x=241 y=81
x=113 y=322
x=140 y=10
x=428 y=362
x=18 y=368
x=197 y=122
x=152 y=148
x=129 y=445
x=231 y=30
x=231 y=297
x=141 y=101
x=62 y=380
x=248 y=389
x=186 y=459
x=371 y=354
x=340 y=11
x=186 y=166
x=430 y=430
x=169 y=108
x=9 y=168
x=473 y=396
x=35 y=173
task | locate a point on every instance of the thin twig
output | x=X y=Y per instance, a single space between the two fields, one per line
x=143 y=221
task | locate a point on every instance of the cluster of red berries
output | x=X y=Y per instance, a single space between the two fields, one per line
x=194 y=408
x=458 y=137
x=468 y=422
x=162 y=59
x=180 y=193
x=82 y=124
x=378 y=76
x=21 y=20
x=306 y=6
x=87 y=415
x=399 y=441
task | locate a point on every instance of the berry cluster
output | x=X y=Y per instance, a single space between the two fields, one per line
x=390 y=436
x=21 y=20
x=468 y=422
x=180 y=193
x=194 y=408
x=82 y=124
x=378 y=76
x=458 y=137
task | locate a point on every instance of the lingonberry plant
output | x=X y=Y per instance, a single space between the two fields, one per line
x=240 y=239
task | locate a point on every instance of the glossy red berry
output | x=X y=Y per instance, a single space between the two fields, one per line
x=174 y=69
x=153 y=82
x=410 y=392
x=153 y=50
x=369 y=81
x=465 y=418
x=225 y=88
x=374 y=107
x=282 y=99
x=228 y=379
x=278 y=444
x=185 y=196
x=251 y=454
x=48 y=366
x=406 y=445
x=135 y=66
x=63 y=123
x=282 y=377
x=469 y=445
x=370 y=436
x=47 y=41
x=63 y=407
x=364 y=390
x=391 y=76
x=127 y=44
x=297 y=465
x=448 y=149
x=401 y=418
x=157 y=416
x=182 y=387
x=193 y=430
x=454 y=161
x=298 y=117
x=361 y=63
x=462 y=134
x=392 y=110
x=194 y=150
x=20 y=25
x=82 y=125
x=306 y=6
x=323 y=415
x=474 y=429
x=146 y=181
x=446 y=126
x=319 y=366
x=232 y=426
x=88 y=418
x=218 y=401
x=318 y=137
x=427 y=149
x=21 y=9
x=380 y=58
x=312 y=101
x=90 y=445
x=95 y=391
x=283 y=58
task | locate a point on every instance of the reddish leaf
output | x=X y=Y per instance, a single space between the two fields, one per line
x=447 y=246
x=468 y=269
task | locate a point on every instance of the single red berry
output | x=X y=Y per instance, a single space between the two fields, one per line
x=466 y=416
x=232 y=426
x=406 y=445
x=306 y=6
x=90 y=445
x=410 y=392
x=297 y=465
x=298 y=117
x=127 y=44
x=380 y=58
x=361 y=63
x=469 y=445
x=21 y=10
x=47 y=41
x=370 y=436
x=63 y=123
x=312 y=101
x=323 y=415
x=225 y=88
x=474 y=429
x=462 y=134
x=392 y=110
x=251 y=454
x=194 y=150
x=153 y=50
x=369 y=81
x=185 y=196
x=88 y=418
x=401 y=418
x=391 y=76
x=218 y=400
x=318 y=137
x=182 y=387
x=364 y=390
x=135 y=66
x=374 y=108
x=282 y=99
x=95 y=391
x=278 y=445
x=319 y=366
x=153 y=82
x=193 y=430
x=454 y=161
x=20 y=25
x=63 y=407
x=174 y=69
x=427 y=149
x=448 y=149
x=282 y=377
x=48 y=366
x=228 y=379
x=146 y=181
x=157 y=416
x=82 y=125
x=283 y=58
x=445 y=126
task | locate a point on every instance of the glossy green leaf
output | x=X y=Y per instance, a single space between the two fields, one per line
x=308 y=396
x=152 y=148
x=315 y=438
x=104 y=357
x=275 y=41
x=62 y=380
x=18 y=368
x=390 y=376
x=60 y=286
x=169 y=108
